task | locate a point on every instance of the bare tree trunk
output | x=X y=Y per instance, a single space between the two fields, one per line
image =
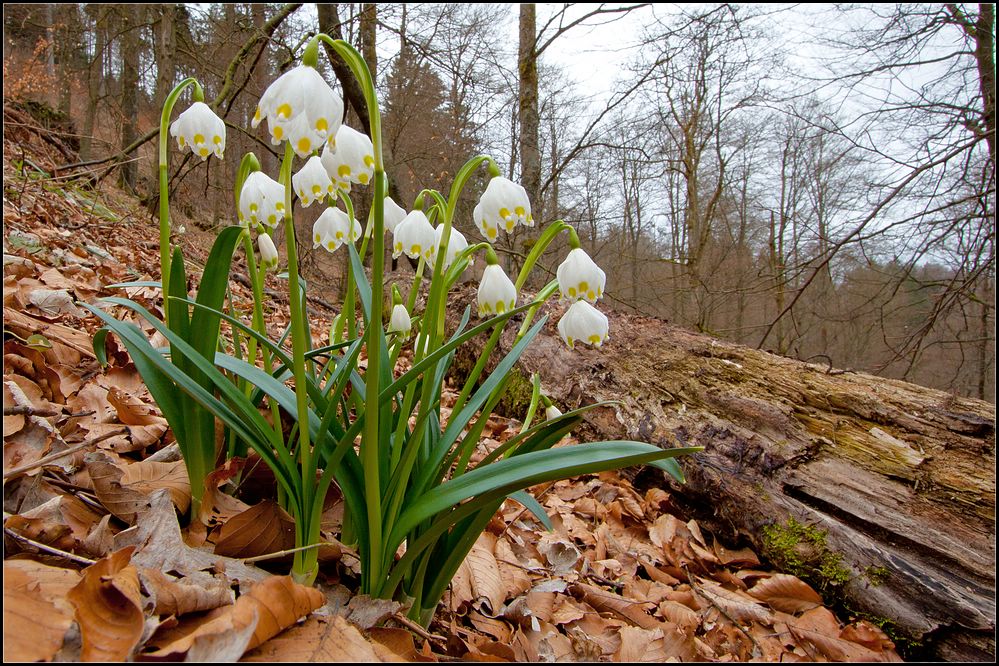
x=530 y=155
x=129 y=90
x=95 y=82
x=165 y=46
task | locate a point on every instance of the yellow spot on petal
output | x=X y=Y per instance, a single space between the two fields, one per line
x=199 y=138
x=583 y=286
x=279 y=206
x=322 y=125
x=217 y=140
x=519 y=210
x=256 y=115
x=318 y=239
x=415 y=249
x=504 y=213
x=284 y=111
x=331 y=246
x=339 y=235
x=272 y=220
x=304 y=145
x=253 y=208
x=591 y=295
x=203 y=152
x=317 y=190
x=398 y=247
x=277 y=132
x=343 y=171
x=180 y=140
x=594 y=339
x=572 y=292
x=491 y=232
x=369 y=161
x=363 y=177
x=500 y=307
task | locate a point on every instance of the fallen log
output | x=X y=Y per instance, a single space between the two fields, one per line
x=879 y=491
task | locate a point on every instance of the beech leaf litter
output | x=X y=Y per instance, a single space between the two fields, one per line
x=101 y=564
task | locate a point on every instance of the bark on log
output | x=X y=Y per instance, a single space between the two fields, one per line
x=900 y=477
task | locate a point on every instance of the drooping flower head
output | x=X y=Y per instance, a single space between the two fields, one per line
x=503 y=205
x=261 y=200
x=333 y=229
x=349 y=158
x=583 y=323
x=394 y=215
x=415 y=237
x=199 y=130
x=580 y=277
x=497 y=293
x=455 y=245
x=268 y=253
x=312 y=183
x=300 y=107
x=400 y=321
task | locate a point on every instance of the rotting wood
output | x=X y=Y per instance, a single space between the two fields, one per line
x=899 y=479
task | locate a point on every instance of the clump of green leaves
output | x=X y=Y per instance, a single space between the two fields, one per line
x=802 y=550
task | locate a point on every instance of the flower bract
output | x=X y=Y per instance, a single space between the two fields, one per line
x=268 y=253
x=312 y=183
x=415 y=237
x=497 y=293
x=455 y=245
x=261 y=200
x=503 y=205
x=199 y=130
x=302 y=108
x=552 y=412
x=333 y=229
x=349 y=158
x=580 y=277
x=583 y=323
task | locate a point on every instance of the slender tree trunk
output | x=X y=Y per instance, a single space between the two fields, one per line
x=165 y=68
x=95 y=83
x=129 y=90
x=530 y=156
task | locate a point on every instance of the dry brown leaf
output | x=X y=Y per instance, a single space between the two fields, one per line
x=269 y=607
x=36 y=615
x=641 y=645
x=366 y=612
x=868 y=635
x=319 y=639
x=260 y=530
x=132 y=411
x=740 y=606
x=146 y=476
x=838 y=649
x=216 y=506
x=392 y=644
x=170 y=595
x=63 y=522
x=488 y=590
x=124 y=489
x=109 y=608
x=609 y=602
x=515 y=579
x=786 y=593
x=679 y=615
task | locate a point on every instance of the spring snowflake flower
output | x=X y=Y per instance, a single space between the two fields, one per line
x=349 y=158
x=268 y=253
x=503 y=205
x=583 y=323
x=394 y=215
x=552 y=412
x=312 y=183
x=415 y=237
x=302 y=108
x=455 y=245
x=497 y=293
x=199 y=130
x=261 y=200
x=579 y=277
x=400 y=321
x=333 y=229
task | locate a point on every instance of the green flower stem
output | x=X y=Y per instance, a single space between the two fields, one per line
x=414 y=292
x=546 y=238
x=165 y=253
x=370 y=444
x=349 y=320
x=301 y=569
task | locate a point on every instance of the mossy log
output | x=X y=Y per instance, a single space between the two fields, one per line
x=880 y=492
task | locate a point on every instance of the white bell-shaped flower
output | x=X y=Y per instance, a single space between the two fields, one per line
x=312 y=183
x=268 y=253
x=333 y=229
x=199 y=130
x=580 y=277
x=415 y=237
x=400 y=321
x=583 y=323
x=503 y=205
x=489 y=231
x=394 y=214
x=349 y=158
x=300 y=107
x=497 y=293
x=261 y=200
x=456 y=244
x=552 y=412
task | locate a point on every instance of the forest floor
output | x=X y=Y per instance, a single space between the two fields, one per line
x=99 y=562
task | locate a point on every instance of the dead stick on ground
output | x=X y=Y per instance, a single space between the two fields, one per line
x=49 y=549
x=417 y=629
x=62 y=454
